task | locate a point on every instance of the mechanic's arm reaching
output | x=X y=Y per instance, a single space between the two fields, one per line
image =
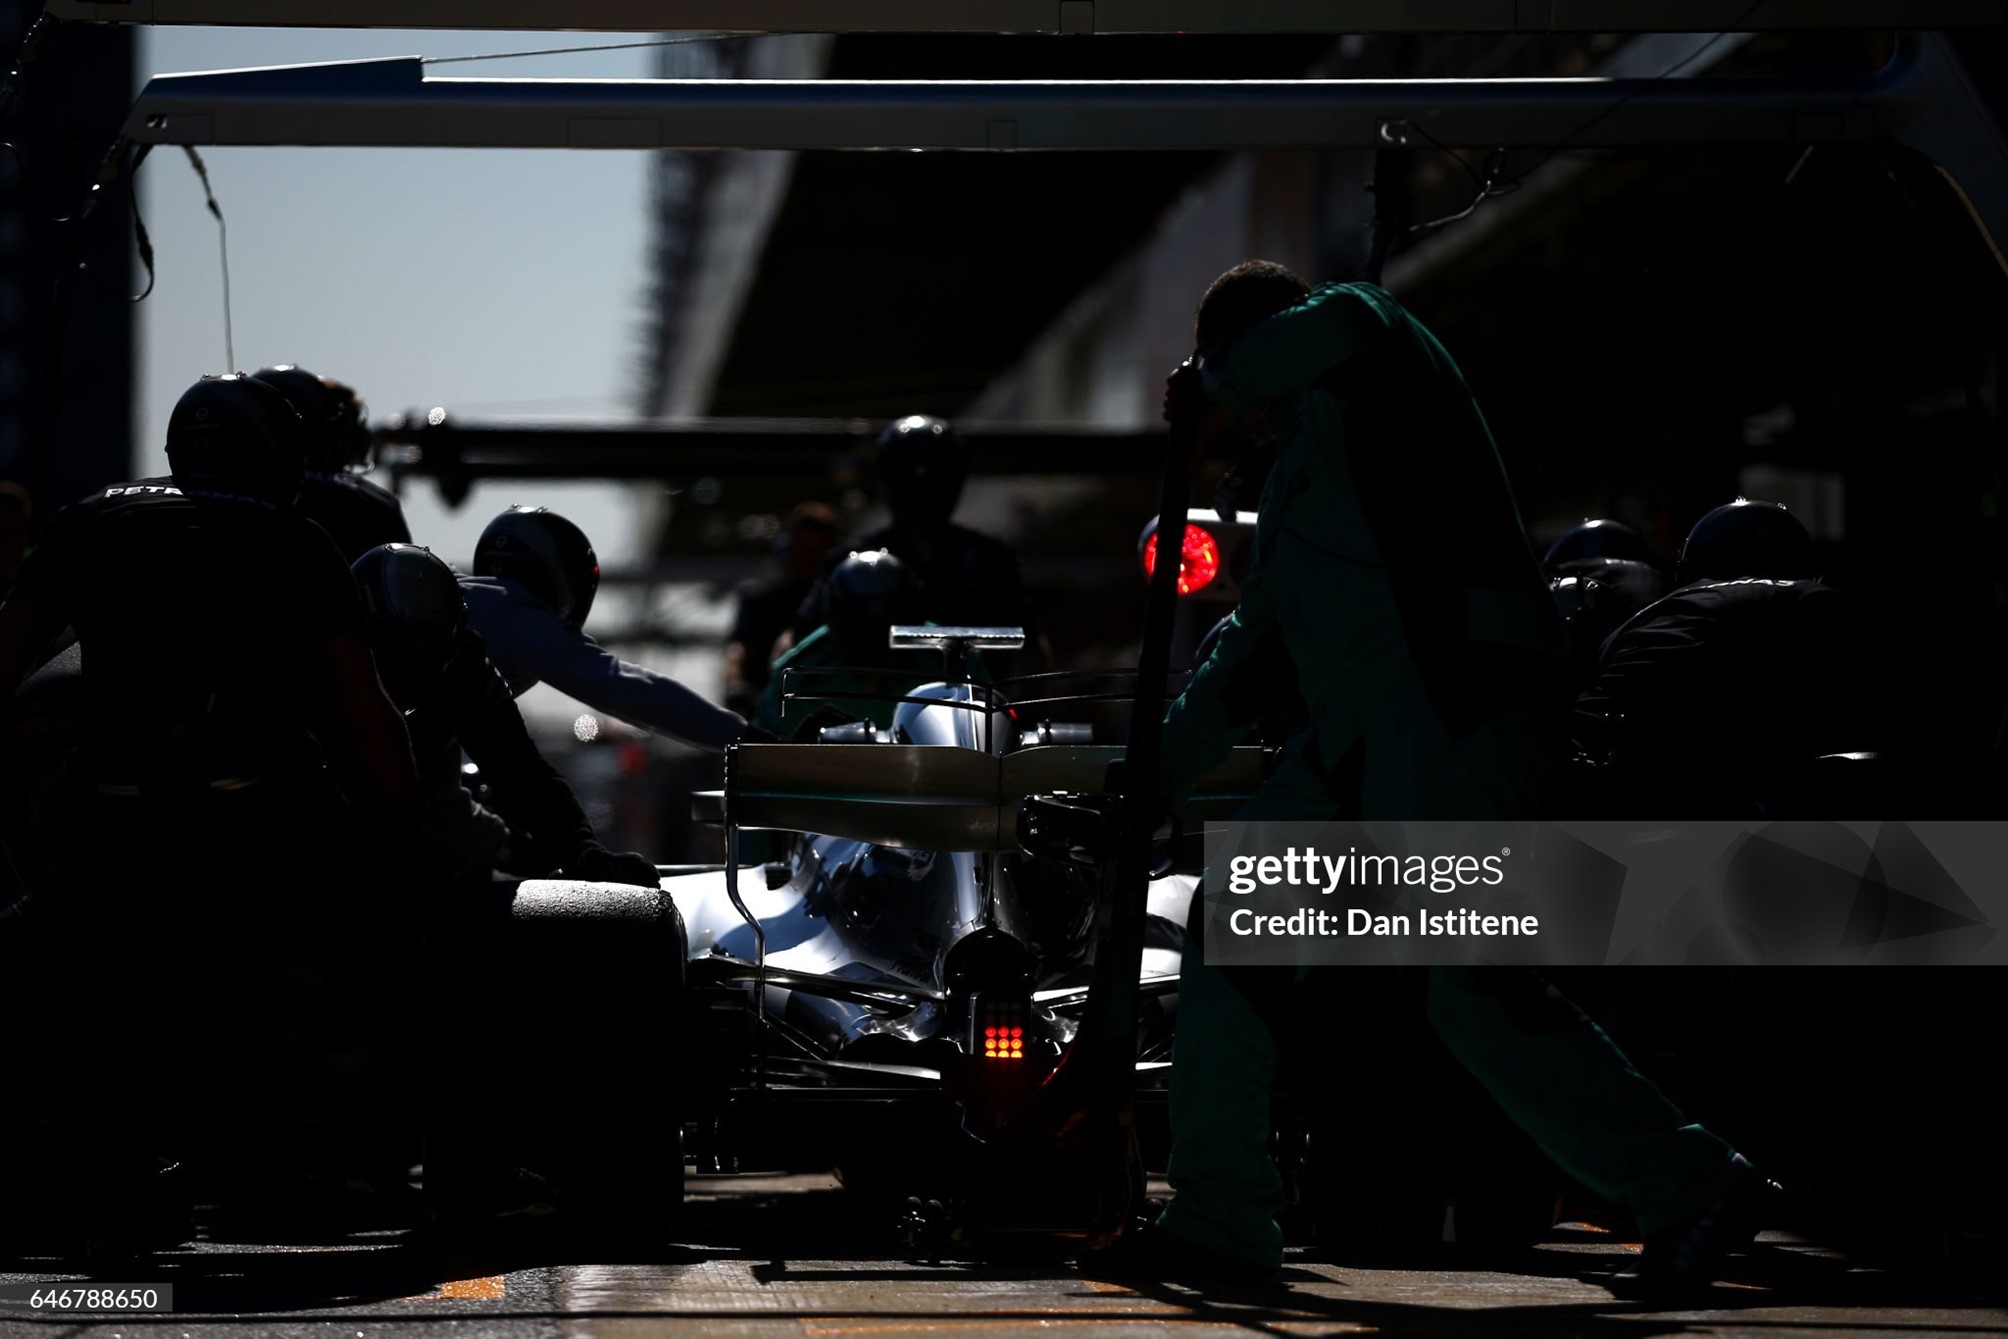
x=1250 y=664
x=529 y=641
x=1295 y=347
x=526 y=791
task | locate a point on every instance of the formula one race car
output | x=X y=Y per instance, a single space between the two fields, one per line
x=886 y=993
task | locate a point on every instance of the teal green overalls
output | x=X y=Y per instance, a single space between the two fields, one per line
x=1394 y=586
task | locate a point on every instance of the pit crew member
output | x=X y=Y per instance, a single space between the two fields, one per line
x=359 y=514
x=1394 y=581
x=453 y=698
x=535 y=576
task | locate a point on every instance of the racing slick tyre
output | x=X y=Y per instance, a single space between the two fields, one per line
x=599 y=975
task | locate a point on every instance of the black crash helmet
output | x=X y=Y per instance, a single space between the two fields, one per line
x=320 y=408
x=863 y=598
x=921 y=463
x=546 y=554
x=236 y=436
x=1595 y=539
x=416 y=615
x=1747 y=539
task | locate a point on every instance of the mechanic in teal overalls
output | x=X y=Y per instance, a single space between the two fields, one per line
x=1393 y=587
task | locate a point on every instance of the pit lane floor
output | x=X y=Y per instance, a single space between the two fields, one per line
x=789 y=1256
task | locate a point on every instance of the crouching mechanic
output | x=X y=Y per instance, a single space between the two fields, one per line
x=1600 y=573
x=1720 y=699
x=1427 y=654
x=230 y=723
x=453 y=698
x=535 y=576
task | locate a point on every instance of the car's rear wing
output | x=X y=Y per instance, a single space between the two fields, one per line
x=926 y=797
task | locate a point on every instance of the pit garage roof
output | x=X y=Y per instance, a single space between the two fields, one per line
x=885 y=261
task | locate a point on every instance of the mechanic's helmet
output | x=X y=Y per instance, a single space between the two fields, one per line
x=1596 y=596
x=236 y=436
x=416 y=614
x=921 y=463
x=324 y=410
x=353 y=444
x=1746 y=539
x=1596 y=539
x=548 y=555
x=863 y=598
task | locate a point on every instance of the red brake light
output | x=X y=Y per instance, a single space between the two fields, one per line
x=1198 y=564
x=1004 y=1040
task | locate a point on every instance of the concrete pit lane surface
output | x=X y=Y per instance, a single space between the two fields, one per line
x=793 y=1256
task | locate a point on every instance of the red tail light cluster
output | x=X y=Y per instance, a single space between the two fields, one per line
x=1002 y=1030
x=1198 y=562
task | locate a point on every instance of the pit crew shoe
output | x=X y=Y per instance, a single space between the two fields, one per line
x=1149 y=1254
x=1689 y=1254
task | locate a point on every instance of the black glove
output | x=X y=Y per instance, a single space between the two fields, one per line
x=596 y=864
x=1188 y=408
x=1185 y=398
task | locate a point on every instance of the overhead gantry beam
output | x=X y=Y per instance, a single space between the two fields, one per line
x=1924 y=99
x=391 y=103
x=1056 y=16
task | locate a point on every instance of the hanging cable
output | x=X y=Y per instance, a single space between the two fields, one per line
x=121 y=158
x=1496 y=183
x=39 y=32
x=1491 y=183
x=1618 y=103
x=1392 y=205
x=141 y=242
x=222 y=246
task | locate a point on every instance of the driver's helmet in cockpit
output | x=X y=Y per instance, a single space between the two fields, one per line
x=864 y=598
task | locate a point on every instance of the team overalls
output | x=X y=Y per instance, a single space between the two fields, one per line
x=1393 y=586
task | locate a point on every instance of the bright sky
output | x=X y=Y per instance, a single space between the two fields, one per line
x=488 y=281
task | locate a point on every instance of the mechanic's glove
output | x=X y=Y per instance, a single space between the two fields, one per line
x=1184 y=395
x=596 y=864
x=1187 y=407
x=755 y=735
